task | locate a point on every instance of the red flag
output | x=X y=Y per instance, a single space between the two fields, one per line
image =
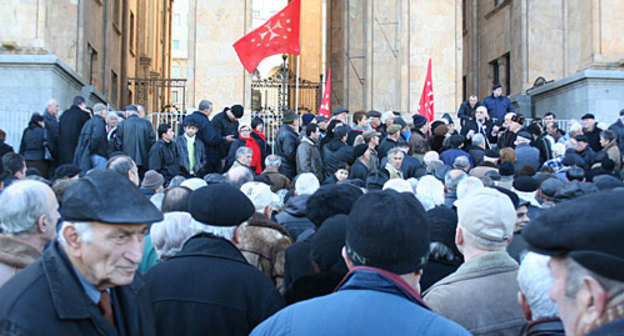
x=326 y=102
x=425 y=107
x=280 y=34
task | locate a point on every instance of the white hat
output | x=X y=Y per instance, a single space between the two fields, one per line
x=488 y=214
x=260 y=195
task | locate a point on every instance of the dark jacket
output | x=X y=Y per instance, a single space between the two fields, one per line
x=4 y=148
x=507 y=139
x=47 y=298
x=449 y=156
x=588 y=156
x=335 y=153
x=286 y=144
x=543 y=145
x=52 y=128
x=593 y=138
x=31 y=146
x=498 y=106
x=207 y=134
x=135 y=137
x=298 y=260
x=70 y=125
x=614 y=328
x=485 y=129
x=410 y=166
x=544 y=327
x=209 y=288
x=358 y=171
x=467 y=112
x=183 y=156
x=163 y=158
x=476 y=154
x=618 y=128
x=293 y=217
x=92 y=141
x=368 y=302
x=527 y=155
x=309 y=158
x=418 y=143
x=224 y=127
x=385 y=146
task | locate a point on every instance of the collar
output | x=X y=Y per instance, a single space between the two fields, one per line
x=92 y=292
x=485 y=264
x=208 y=245
x=189 y=139
x=309 y=140
x=364 y=277
x=547 y=326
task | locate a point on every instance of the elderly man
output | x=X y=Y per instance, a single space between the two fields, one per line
x=387 y=240
x=208 y=287
x=309 y=158
x=70 y=124
x=535 y=280
x=586 y=261
x=286 y=143
x=50 y=120
x=92 y=148
x=468 y=109
x=85 y=282
x=278 y=180
x=481 y=294
x=392 y=169
x=28 y=216
x=124 y=166
x=135 y=137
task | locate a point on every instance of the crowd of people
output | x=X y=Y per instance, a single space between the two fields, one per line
x=365 y=223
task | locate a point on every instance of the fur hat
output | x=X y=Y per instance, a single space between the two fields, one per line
x=237 y=110
x=330 y=200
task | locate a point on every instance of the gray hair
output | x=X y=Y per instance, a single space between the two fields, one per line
x=83 y=229
x=273 y=161
x=169 y=236
x=306 y=184
x=430 y=192
x=477 y=139
x=226 y=232
x=110 y=115
x=242 y=151
x=468 y=186
x=461 y=162
x=205 y=105
x=23 y=202
x=237 y=176
x=453 y=178
x=430 y=156
x=433 y=165
x=394 y=150
x=571 y=144
x=575 y=128
x=99 y=107
x=576 y=273
x=535 y=280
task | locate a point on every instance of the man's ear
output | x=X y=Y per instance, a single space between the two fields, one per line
x=73 y=241
x=346 y=259
x=41 y=224
x=591 y=300
x=459 y=236
x=237 y=234
x=524 y=305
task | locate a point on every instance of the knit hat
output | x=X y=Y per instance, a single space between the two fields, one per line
x=327 y=244
x=220 y=205
x=359 y=150
x=152 y=180
x=330 y=200
x=506 y=169
x=419 y=121
x=237 y=110
x=306 y=118
x=289 y=115
x=388 y=230
x=442 y=225
x=525 y=184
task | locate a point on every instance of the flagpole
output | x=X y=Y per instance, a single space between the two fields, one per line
x=297 y=86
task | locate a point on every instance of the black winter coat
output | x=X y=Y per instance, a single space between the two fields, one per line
x=467 y=112
x=47 y=298
x=52 y=126
x=358 y=171
x=70 y=125
x=385 y=146
x=208 y=288
x=92 y=141
x=224 y=127
x=207 y=134
x=335 y=153
x=183 y=157
x=31 y=147
x=135 y=137
x=164 y=159
x=293 y=217
x=618 y=128
x=286 y=144
x=298 y=261
x=4 y=148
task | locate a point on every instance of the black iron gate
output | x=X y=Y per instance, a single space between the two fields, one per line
x=164 y=99
x=272 y=96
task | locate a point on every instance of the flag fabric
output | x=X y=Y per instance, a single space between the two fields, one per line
x=326 y=101
x=425 y=107
x=280 y=34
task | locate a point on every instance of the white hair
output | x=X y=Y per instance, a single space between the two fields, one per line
x=430 y=192
x=399 y=185
x=272 y=161
x=22 y=203
x=575 y=127
x=414 y=183
x=169 y=235
x=571 y=144
x=535 y=280
x=558 y=148
x=226 y=232
x=83 y=229
x=194 y=183
x=468 y=186
x=306 y=184
x=477 y=139
x=430 y=156
x=386 y=115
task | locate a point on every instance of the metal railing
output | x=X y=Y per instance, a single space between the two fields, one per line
x=174 y=119
x=272 y=124
x=13 y=123
x=270 y=96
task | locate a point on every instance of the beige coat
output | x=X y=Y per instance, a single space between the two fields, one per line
x=14 y=256
x=481 y=296
x=614 y=154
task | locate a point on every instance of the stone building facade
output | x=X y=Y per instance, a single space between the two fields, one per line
x=62 y=48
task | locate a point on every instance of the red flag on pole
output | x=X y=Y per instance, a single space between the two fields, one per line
x=280 y=34
x=326 y=101
x=425 y=107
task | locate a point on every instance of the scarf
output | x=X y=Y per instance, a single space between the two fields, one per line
x=256 y=155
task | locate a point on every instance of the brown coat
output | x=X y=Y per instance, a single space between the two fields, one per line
x=279 y=181
x=614 y=154
x=418 y=144
x=264 y=243
x=14 y=256
x=481 y=296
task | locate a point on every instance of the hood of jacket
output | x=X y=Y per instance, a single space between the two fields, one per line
x=296 y=205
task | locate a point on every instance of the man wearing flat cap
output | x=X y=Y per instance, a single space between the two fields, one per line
x=85 y=282
x=208 y=288
x=286 y=143
x=481 y=294
x=341 y=114
x=387 y=240
x=135 y=137
x=586 y=261
x=591 y=131
x=497 y=104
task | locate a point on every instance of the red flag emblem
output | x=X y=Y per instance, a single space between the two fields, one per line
x=280 y=34
x=326 y=101
x=425 y=107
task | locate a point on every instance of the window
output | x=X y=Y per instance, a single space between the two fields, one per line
x=131 y=32
x=176 y=19
x=176 y=44
x=464 y=14
x=175 y=71
x=93 y=65
x=495 y=72
x=116 y=10
x=464 y=89
x=174 y=97
x=114 y=87
x=507 y=74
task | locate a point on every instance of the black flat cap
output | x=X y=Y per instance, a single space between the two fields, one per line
x=67 y=170
x=340 y=110
x=341 y=131
x=131 y=108
x=492 y=153
x=374 y=114
x=588 y=116
x=107 y=197
x=220 y=205
x=576 y=229
x=526 y=184
x=580 y=137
